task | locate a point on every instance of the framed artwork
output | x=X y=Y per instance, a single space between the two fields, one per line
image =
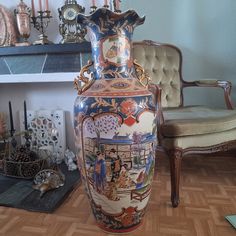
x=8 y=33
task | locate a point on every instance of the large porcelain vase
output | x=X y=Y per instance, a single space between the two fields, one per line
x=115 y=124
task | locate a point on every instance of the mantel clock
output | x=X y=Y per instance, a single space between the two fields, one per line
x=70 y=30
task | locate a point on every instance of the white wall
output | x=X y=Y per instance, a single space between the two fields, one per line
x=204 y=30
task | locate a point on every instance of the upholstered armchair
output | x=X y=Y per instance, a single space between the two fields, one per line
x=184 y=129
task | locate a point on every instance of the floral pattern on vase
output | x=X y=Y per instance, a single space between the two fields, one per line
x=115 y=127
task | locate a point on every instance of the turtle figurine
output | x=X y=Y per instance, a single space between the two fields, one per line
x=48 y=179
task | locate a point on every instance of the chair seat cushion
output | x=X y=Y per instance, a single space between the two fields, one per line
x=199 y=142
x=197 y=120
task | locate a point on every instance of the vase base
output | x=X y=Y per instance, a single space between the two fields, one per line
x=120 y=231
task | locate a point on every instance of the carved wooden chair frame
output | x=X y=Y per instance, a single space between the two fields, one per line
x=175 y=155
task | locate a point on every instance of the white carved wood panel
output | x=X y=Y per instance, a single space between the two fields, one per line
x=48 y=128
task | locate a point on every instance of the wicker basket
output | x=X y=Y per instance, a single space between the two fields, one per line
x=4 y=150
x=18 y=169
x=25 y=170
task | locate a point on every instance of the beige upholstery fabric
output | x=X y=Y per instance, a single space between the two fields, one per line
x=184 y=127
x=205 y=140
x=196 y=120
x=162 y=64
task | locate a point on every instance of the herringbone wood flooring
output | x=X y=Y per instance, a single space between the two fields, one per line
x=208 y=192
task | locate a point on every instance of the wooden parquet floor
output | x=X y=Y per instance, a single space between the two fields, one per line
x=208 y=193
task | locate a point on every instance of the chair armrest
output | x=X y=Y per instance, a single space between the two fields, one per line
x=225 y=85
x=156 y=91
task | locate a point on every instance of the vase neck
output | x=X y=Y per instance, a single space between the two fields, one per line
x=112 y=57
x=111 y=38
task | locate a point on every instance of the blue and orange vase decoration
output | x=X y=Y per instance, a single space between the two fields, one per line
x=115 y=124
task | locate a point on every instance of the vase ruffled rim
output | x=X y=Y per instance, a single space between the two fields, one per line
x=104 y=12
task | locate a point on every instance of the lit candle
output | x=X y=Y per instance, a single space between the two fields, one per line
x=32 y=8
x=46 y=4
x=93 y=3
x=11 y=120
x=25 y=116
x=40 y=5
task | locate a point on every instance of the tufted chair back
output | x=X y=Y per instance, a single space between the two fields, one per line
x=163 y=64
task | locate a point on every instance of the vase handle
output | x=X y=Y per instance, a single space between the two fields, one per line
x=82 y=78
x=143 y=76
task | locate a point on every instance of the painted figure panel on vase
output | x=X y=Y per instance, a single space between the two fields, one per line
x=116 y=50
x=118 y=155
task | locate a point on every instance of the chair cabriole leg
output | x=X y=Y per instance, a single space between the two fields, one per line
x=175 y=157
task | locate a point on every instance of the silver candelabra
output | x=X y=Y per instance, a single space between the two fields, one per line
x=40 y=22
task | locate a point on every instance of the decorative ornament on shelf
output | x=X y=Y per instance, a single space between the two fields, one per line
x=70 y=30
x=22 y=14
x=40 y=21
x=8 y=35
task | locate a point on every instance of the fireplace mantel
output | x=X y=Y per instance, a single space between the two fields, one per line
x=44 y=49
x=47 y=63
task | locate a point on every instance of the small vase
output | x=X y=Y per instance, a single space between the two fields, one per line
x=23 y=22
x=115 y=124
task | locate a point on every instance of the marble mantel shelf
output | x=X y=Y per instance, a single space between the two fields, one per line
x=42 y=49
x=43 y=63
